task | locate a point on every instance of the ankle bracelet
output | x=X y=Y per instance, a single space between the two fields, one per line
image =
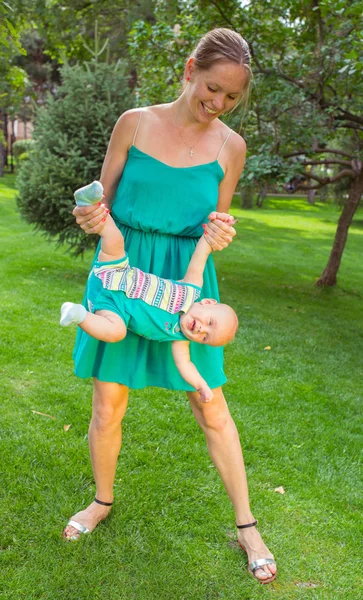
x=103 y=503
x=247 y=525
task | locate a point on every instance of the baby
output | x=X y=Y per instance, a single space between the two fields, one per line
x=150 y=306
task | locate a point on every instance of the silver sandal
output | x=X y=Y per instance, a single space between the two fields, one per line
x=81 y=528
x=260 y=562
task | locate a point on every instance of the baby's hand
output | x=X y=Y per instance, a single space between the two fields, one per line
x=229 y=219
x=219 y=231
x=206 y=394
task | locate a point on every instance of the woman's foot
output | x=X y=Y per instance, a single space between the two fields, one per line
x=88 y=518
x=255 y=548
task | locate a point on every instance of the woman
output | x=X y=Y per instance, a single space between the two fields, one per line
x=166 y=168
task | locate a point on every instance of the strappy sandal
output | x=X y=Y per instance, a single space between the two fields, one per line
x=260 y=562
x=81 y=528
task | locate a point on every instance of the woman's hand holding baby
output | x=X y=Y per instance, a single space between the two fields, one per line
x=91 y=218
x=219 y=232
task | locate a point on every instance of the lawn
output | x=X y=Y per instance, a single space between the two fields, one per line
x=171 y=535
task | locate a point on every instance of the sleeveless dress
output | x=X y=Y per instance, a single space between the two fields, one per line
x=160 y=210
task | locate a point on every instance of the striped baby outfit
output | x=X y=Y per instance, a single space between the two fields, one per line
x=166 y=294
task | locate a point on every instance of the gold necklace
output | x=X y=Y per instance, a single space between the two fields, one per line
x=191 y=148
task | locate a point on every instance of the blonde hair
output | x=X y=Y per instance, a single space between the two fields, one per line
x=224 y=45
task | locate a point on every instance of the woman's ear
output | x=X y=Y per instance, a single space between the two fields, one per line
x=189 y=68
x=208 y=301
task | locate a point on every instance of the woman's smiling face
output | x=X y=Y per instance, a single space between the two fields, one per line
x=214 y=91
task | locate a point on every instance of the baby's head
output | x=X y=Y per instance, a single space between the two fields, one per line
x=209 y=322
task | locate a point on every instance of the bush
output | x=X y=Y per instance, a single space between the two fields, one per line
x=70 y=139
x=22 y=147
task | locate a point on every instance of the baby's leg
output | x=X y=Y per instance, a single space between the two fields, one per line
x=112 y=244
x=104 y=325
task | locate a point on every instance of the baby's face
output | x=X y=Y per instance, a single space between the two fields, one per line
x=208 y=322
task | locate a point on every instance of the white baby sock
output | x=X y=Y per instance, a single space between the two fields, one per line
x=72 y=314
x=89 y=194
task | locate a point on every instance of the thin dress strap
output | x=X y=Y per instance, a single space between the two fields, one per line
x=224 y=143
x=137 y=128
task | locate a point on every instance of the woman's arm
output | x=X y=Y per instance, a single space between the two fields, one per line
x=188 y=370
x=233 y=168
x=219 y=234
x=89 y=218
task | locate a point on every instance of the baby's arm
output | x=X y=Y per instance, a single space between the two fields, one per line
x=197 y=263
x=188 y=370
x=203 y=249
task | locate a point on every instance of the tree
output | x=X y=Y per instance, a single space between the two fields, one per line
x=13 y=79
x=70 y=140
x=309 y=58
x=307 y=101
x=67 y=27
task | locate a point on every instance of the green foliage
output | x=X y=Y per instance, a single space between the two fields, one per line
x=266 y=167
x=159 y=50
x=9 y=32
x=307 y=61
x=21 y=149
x=66 y=26
x=22 y=146
x=70 y=140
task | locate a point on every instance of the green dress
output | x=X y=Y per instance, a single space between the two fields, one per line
x=160 y=210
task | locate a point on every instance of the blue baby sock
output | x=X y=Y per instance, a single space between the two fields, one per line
x=89 y=194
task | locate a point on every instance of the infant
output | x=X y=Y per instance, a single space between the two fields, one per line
x=158 y=309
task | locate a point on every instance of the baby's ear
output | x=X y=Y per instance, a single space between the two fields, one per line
x=208 y=301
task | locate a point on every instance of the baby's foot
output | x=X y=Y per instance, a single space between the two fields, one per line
x=72 y=314
x=89 y=194
x=88 y=518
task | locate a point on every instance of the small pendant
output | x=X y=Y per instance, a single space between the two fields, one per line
x=191 y=152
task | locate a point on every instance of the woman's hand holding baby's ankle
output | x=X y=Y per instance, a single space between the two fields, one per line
x=91 y=218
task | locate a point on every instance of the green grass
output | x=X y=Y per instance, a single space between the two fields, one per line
x=171 y=534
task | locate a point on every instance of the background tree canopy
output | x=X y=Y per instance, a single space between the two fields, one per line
x=305 y=123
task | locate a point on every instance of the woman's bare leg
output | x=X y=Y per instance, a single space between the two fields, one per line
x=226 y=453
x=104 y=436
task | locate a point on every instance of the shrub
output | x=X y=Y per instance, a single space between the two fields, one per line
x=70 y=140
x=22 y=147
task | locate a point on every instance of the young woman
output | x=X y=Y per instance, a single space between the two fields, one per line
x=166 y=168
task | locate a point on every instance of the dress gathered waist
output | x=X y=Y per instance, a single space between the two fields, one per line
x=122 y=225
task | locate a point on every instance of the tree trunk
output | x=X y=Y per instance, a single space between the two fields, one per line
x=261 y=196
x=2 y=147
x=311 y=196
x=246 y=195
x=2 y=153
x=329 y=276
x=4 y=118
x=12 y=140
